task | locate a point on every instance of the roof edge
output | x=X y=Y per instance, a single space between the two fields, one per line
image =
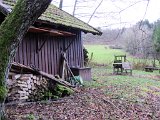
x=98 y=31
x=5 y=9
x=83 y=30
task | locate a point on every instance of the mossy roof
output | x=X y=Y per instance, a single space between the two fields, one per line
x=57 y=16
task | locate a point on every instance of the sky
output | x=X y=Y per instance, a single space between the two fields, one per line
x=114 y=13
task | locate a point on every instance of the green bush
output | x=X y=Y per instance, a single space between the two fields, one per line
x=62 y=91
x=30 y=117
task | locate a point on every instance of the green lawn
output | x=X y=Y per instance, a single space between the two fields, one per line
x=124 y=86
x=121 y=86
x=102 y=54
x=125 y=92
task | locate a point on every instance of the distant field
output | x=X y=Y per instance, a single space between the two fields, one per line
x=102 y=54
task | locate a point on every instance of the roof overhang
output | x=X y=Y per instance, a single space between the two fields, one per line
x=6 y=9
x=50 y=31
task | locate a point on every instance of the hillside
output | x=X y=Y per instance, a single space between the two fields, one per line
x=136 y=40
x=109 y=37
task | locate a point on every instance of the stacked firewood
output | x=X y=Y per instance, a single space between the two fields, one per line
x=26 y=87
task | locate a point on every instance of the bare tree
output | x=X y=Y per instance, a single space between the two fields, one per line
x=95 y=11
x=74 y=9
x=61 y=4
x=92 y=9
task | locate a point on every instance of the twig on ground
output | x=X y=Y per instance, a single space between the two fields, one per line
x=113 y=105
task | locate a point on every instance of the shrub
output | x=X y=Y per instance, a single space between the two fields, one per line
x=30 y=117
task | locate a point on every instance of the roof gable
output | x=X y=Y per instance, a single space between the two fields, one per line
x=57 y=16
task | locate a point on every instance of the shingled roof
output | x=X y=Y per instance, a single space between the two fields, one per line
x=57 y=16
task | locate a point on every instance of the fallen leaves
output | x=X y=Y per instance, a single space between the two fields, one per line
x=89 y=104
x=101 y=101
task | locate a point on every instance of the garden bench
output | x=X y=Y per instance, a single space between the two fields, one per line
x=127 y=67
x=121 y=65
x=117 y=65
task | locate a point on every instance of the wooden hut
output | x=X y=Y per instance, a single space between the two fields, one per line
x=54 y=32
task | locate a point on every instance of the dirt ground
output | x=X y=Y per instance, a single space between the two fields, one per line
x=88 y=104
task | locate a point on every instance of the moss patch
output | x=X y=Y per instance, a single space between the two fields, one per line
x=8 y=33
x=3 y=92
x=61 y=91
x=60 y=17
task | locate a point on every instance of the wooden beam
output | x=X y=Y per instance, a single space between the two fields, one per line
x=59 y=31
x=50 y=31
x=67 y=33
x=34 y=29
x=44 y=31
x=26 y=69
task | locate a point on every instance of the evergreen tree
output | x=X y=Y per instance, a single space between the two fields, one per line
x=156 y=36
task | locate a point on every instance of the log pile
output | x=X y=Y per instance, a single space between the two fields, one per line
x=29 y=84
x=26 y=87
x=17 y=68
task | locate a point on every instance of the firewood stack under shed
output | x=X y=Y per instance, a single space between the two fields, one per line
x=29 y=84
x=26 y=87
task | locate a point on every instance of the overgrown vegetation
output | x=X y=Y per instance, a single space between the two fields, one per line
x=85 y=54
x=56 y=92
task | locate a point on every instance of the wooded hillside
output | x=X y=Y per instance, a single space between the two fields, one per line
x=137 y=39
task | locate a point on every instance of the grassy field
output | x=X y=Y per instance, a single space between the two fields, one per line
x=127 y=87
x=102 y=54
x=137 y=96
x=121 y=86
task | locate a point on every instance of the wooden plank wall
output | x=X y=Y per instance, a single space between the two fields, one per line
x=48 y=58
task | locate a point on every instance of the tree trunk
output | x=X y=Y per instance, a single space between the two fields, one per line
x=12 y=31
x=74 y=9
x=61 y=4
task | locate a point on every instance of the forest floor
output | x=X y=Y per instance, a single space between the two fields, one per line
x=107 y=97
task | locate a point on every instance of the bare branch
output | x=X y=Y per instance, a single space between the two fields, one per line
x=130 y=6
x=75 y=4
x=144 y=14
x=95 y=11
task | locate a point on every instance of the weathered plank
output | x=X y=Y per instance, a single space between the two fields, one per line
x=48 y=58
x=23 y=68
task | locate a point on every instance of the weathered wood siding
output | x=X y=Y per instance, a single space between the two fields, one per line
x=48 y=58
